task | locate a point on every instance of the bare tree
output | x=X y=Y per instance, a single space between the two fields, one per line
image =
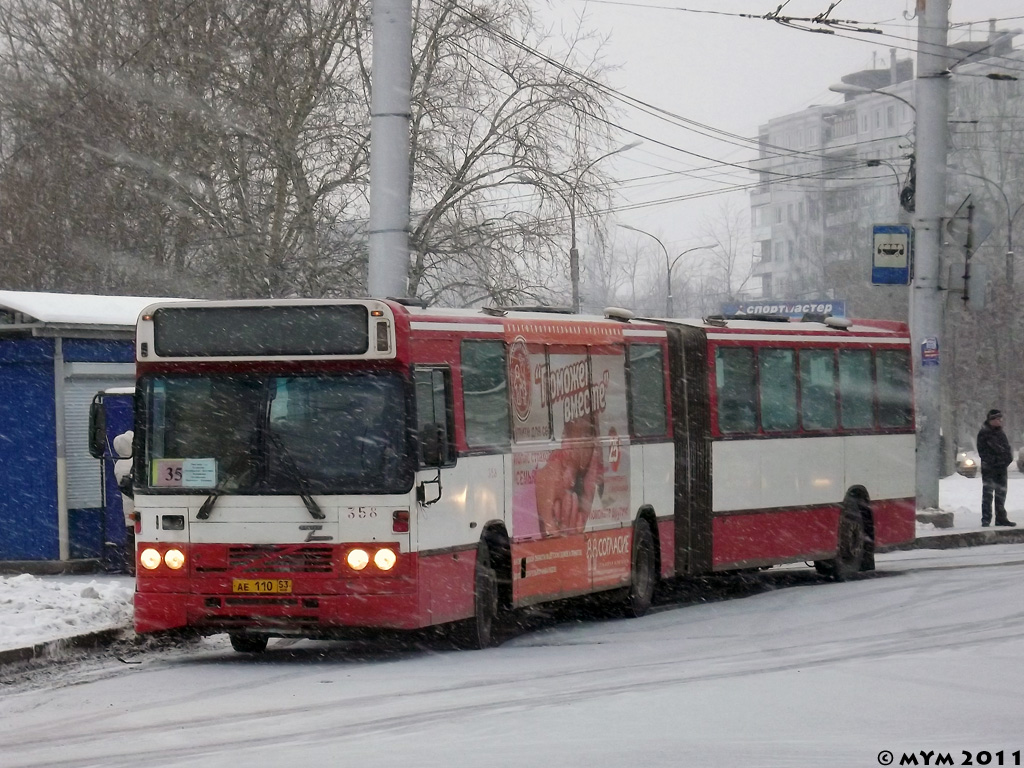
x=203 y=138
x=618 y=275
x=489 y=123
x=726 y=269
x=986 y=164
x=220 y=147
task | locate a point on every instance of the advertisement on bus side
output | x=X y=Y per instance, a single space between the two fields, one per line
x=571 y=460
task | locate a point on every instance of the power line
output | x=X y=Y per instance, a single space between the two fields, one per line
x=678 y=120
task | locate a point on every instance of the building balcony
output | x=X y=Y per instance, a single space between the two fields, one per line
x=761 y=195
x=840 y=218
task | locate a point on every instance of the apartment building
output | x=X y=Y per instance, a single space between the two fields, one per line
x=828 y=173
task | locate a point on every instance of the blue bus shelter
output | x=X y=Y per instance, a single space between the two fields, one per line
x=56 y=352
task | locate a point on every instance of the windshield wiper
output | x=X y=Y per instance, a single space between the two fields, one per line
x=218 y=491
x=207 y=508
x=293 y=472
x=220 y=487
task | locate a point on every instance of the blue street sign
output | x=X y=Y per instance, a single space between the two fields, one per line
x=892 y=248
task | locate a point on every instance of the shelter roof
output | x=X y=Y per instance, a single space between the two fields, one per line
x=29 y=308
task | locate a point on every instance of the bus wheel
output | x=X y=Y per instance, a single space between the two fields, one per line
x=642 y=573
x=478 y=633
x=850 y=556
x=244 y=642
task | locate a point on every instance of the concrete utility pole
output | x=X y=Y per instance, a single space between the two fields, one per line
x=932 y=102
x=389 y=147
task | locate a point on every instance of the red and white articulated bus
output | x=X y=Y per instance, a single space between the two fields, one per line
x=307 y=467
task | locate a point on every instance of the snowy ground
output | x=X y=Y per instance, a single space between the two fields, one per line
x=920 y=658
x=37 y=609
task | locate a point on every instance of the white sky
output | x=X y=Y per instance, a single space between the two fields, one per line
x=922 y=657
x=732 y=74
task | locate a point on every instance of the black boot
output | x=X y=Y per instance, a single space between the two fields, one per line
x=1006 y=523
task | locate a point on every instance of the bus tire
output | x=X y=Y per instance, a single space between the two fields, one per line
x=642 y=572
x=479 y=632
x=851 y=547
x=246 y=642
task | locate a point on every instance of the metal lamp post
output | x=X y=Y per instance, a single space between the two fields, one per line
x=668 y=301
x=670 y=264
x=570 y=201
x=574 y=254
x=1010 y=216
x=669 y=309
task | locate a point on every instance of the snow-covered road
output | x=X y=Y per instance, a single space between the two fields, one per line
x=796 y=672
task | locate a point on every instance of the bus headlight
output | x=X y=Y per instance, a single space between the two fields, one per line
x=385 y=559
x=358 y=559
x=149 y=559
x=175 y=559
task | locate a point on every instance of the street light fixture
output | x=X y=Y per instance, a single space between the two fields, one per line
x=876 y=163
x=905 y=195
x=857 y=90
x=670 y=264
x=1010 y=217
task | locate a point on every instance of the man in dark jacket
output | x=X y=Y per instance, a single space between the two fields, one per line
x=995 y=453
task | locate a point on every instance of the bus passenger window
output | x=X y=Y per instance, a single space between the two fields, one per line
x=432 y=406
x=737 y=392
x=647 y=391
x=894 y=386
x=777 y=369
x=485 y=394
x=818 y=389
x=856 y=389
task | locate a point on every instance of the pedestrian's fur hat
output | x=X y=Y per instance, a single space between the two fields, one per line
x=995 y=413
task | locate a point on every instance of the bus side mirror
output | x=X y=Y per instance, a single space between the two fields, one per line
x=97 y=429
x=432 y=444
x=433 y=452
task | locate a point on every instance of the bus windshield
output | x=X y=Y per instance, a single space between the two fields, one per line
x=241 y=434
